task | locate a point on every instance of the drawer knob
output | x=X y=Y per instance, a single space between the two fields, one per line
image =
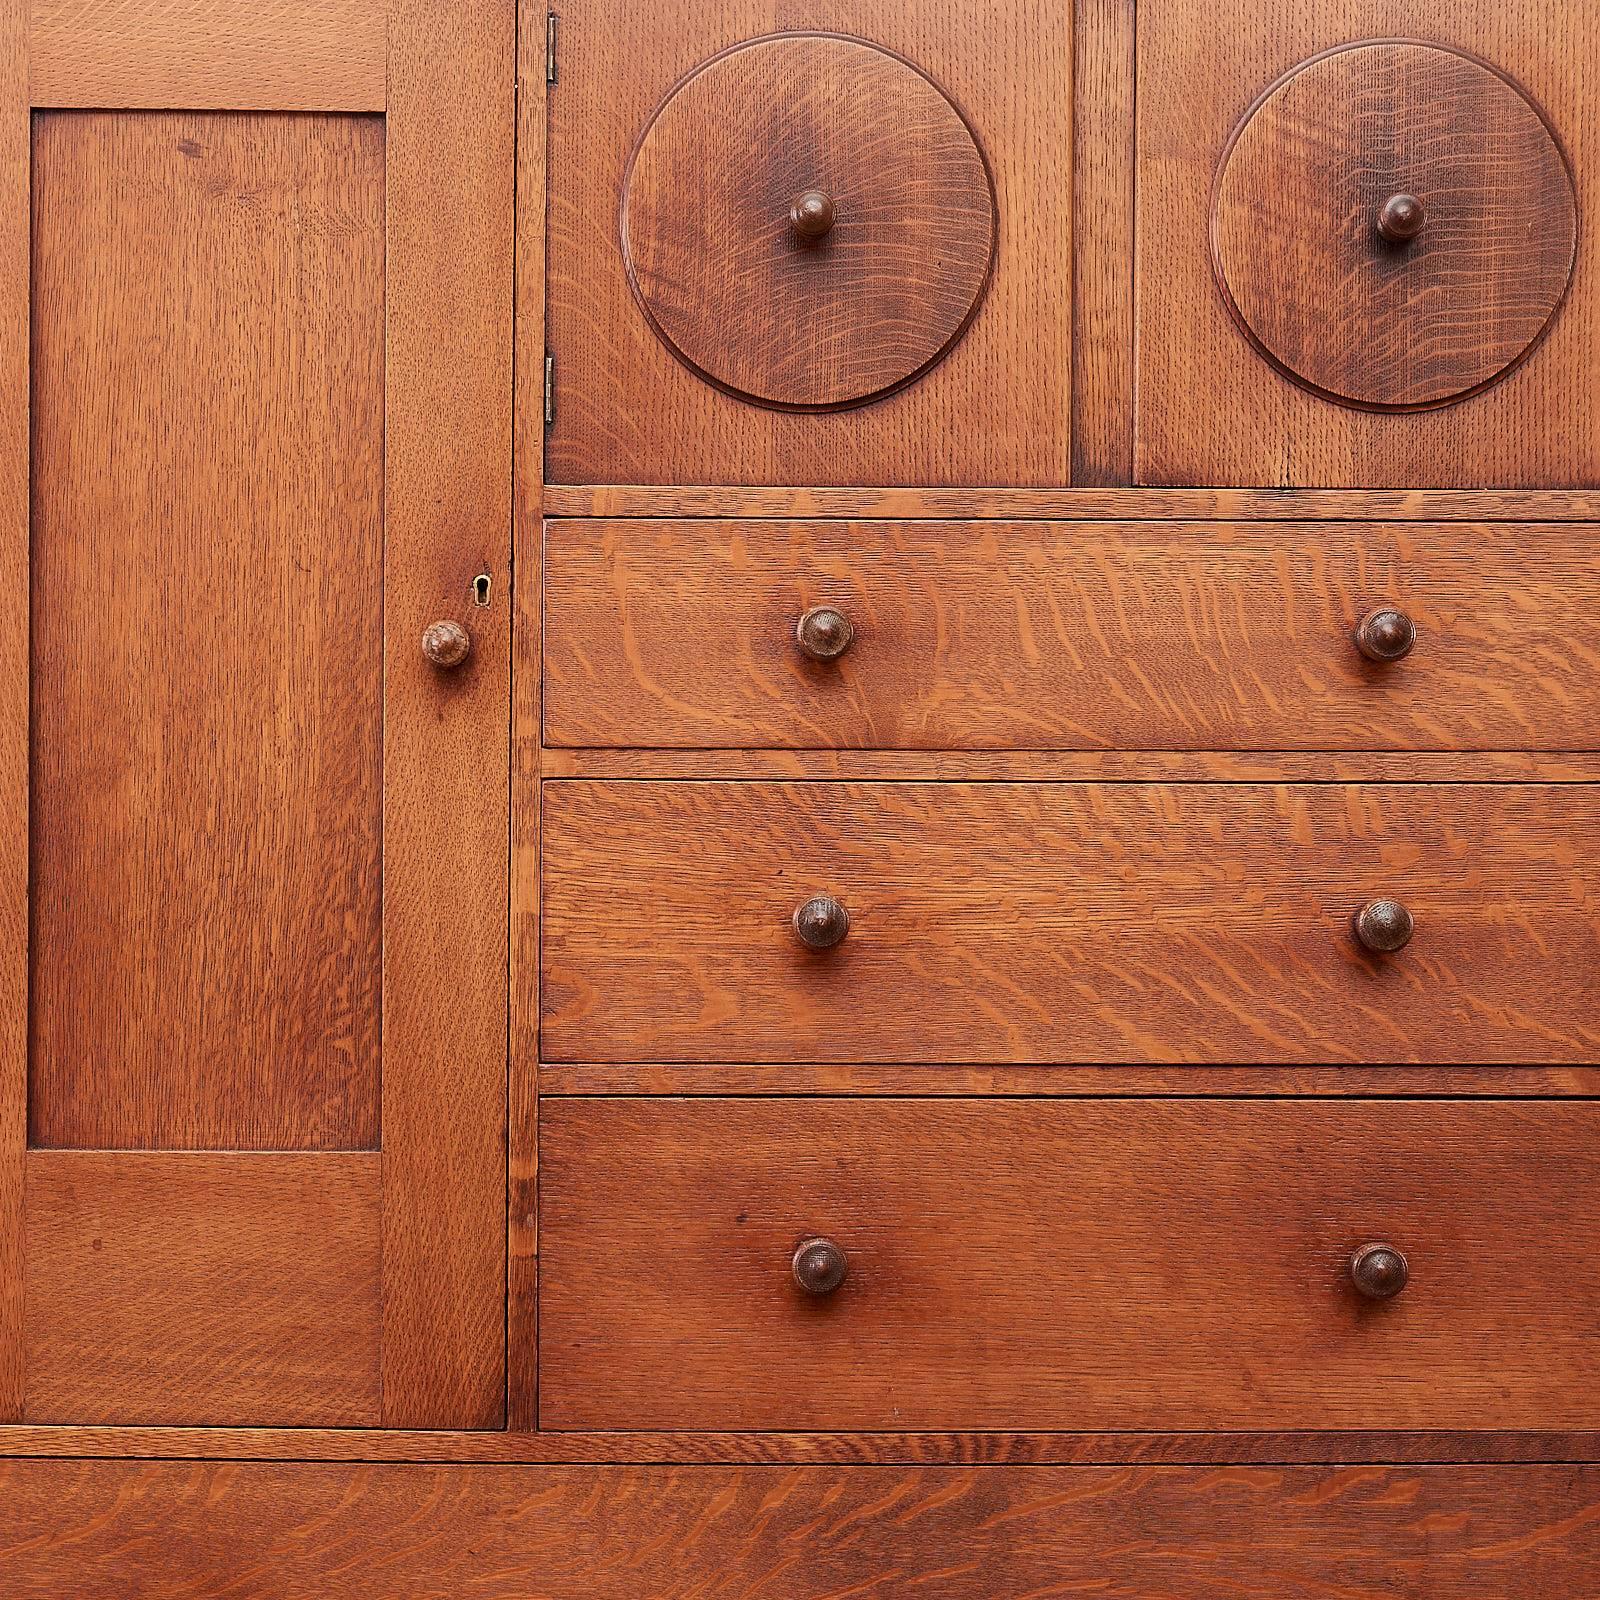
x=1401 y=218
x=1384 y=926
x=821 y=922
x=1386 y=634
x=824 y=634
x=811 y=215
x=820 y=1266
x=1379 y=1271
x=446 y=644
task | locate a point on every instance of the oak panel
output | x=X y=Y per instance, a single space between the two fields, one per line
x=207 y=630
x=203 y=1289
x=277 y=55
x=314 y=1532
x=1031 y=635
x=1085 y=1264
x=1060 y=922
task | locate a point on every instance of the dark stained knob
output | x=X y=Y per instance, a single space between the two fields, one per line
x=821 y=922
x=811 y=215
x=1379 y=1271
x=1386 y=634
x=1401 y=218
x=824 y=634
x=820 y=1266
x=1384 y=926
x=446 y=644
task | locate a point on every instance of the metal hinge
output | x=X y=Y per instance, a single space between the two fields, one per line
x=549 y=388
x=550 y=21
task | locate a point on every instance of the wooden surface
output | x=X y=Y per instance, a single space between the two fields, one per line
x=446 y=758
x=1211 y=411
x=15 y=324
x=716 y=1533
x=1082 y=1264
x=1018 y=923
x=197 y=1288
x=711 y=253
x=289 y=55
x=1345 y=311
x=207 y=631
x=1078 y=505
x=625 y=407
x=1038 y=635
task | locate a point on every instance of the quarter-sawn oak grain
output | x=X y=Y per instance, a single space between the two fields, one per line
x=1084 y=1264
x=996 y=923
x=1037 y=635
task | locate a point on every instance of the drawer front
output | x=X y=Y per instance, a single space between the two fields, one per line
x=1065 y=636
x=1082 y=1265
x=1361 y=229
x=1021 y=922
x=172 y=1530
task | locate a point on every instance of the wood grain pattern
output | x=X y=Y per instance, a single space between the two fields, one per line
x=207 y=631
x=1325 y=295
x=451 y=133
x=1167 y=1264
x=626 y=407
x=1211 y=411
x=716 y=1533
x=716 y=262
x=1013 y=636
x=15 y=322
x=1092 y=504
x=1104 y=92
x=846 y=1078
x=1035 y=923
x=283 y=55
x=197 y=1288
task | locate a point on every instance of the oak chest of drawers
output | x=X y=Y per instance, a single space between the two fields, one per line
x=802 y=800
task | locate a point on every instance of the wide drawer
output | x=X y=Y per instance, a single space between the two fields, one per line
x=1039 y=635
x=178 y=1530
x=1052 y=922
x=1083 y=1265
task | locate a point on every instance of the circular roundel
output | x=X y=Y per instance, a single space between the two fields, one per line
x=1394 y=224
x=808 y=221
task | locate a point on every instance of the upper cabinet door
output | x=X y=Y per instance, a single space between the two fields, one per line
x=837 y=254
x=1363 y=258
x=254 y=664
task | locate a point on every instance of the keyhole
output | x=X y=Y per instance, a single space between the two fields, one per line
x=480 y=589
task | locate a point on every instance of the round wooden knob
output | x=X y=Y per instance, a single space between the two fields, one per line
x=1379 y=1271
x=811 y=215
x=446 y=644
x=824 y=634
x=821 y=922
x=820 y=1266
x=1401 y=217
x=1386 y=634
x=1384 y=926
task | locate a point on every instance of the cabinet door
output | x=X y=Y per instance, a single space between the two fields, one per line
x=255 y=331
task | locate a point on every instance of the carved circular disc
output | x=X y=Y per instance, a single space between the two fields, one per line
x=1324 y=295
x=725 y=275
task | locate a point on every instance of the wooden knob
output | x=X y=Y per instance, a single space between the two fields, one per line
x=446 y=644
x=821 y=922
x=824 y=634
x=1384 y=926
x=1401 y=218
x=820 y=1266
x=1379 y=1271
x=1386 y=634
x=811 y=215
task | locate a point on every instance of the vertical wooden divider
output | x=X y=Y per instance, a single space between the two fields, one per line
x=522 y=1221
x=448 y=517
x=15 y=252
